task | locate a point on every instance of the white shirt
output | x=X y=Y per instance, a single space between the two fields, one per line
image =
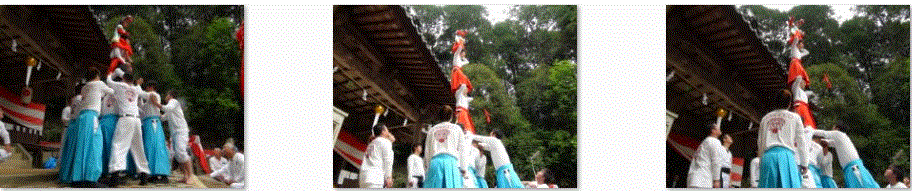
x=234 y=170
x=845 y=150
x=706 y=165
x=499 y=154
x=216 y=163
x=174 y=114
x=798 y=91
x=814 y=150
x=462 y=100
x=470 y=152
x=92 y=93
x=66 y=114
x=108 y=105
x=825 y=163
x=783 y=128
x=755 y=172
x=377 y=164
x=796 y=52
x=126 y=95
x=481 y=164
x=415 y=166
x=444 y=138
x=149 y=109
x=897 y=185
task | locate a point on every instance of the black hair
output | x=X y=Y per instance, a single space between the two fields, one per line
x=710 y=126
x=128 y=78
x=549 y=177
x=497 y=133
x=446 y=113
x=92 y=73
x=898 y=173
x=150 y=83
x=377 y=129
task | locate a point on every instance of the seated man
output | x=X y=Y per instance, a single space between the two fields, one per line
x=233 y=173
x=543 y=179
x=216 y=161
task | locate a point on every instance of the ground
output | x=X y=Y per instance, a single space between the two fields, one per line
x=47 y=178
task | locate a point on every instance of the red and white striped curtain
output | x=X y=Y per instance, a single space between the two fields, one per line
x=30 y=116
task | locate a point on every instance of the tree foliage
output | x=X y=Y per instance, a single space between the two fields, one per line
x=524 y=73
x=867 y=60
x=191 y=49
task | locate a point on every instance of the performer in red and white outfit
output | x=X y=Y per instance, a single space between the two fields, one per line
x=120 y=45
x=460 y=83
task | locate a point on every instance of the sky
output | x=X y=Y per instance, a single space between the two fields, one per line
x=842 y=13
x=497 y=13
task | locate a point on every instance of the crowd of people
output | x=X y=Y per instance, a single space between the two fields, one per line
x=104 y=128
x=453 y=158
x=792 y=151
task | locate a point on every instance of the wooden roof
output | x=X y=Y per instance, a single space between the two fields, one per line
x=377 y=49
x=66 y=39
x=713 y=50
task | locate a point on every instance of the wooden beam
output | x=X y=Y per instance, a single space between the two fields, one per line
x=678 y=59
x=15 y=20
x=383 y=83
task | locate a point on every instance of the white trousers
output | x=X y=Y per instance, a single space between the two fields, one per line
x=128 y=137
x=179 y=141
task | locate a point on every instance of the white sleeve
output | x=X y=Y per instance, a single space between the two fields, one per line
x=170 y=106
x=824 y=134
x=107 y=90
x=4 y=134
x=716 y=157
x=801 y=144
x=411 y=166
x=220 y=171
x=239 y=177
x=65 y=114
x=388 y=159
x=462 y=152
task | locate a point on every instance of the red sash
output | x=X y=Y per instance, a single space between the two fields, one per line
x=805 y=112
x=459 y=78
x=795 y=70
x=464 y=118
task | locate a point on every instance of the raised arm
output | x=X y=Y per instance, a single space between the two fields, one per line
x=110 y=79
x=155 y=100
x=170 y=106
